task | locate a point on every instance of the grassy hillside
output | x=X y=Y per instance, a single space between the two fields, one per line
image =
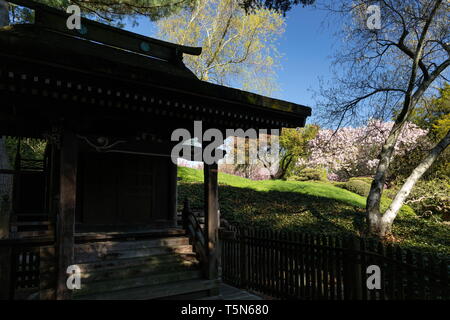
x=311 y=206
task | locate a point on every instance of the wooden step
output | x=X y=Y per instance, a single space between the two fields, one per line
x=93 y=256
x=83 y=237
x=30 y=223
x=128 y=283
x=133 y=262
x=38 y=215
x=154 y=292
x=146 y=270
x=113 y=246
x=33 y=234
x=199 y=219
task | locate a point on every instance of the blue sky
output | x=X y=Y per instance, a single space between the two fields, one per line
x=306 y=45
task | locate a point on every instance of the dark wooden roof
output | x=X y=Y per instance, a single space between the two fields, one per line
x=109 y=67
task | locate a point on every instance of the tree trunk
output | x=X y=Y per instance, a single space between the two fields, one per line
x=376 y=190
x=374 y=216
x=385 y=224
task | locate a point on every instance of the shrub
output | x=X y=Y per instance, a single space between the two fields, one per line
x=390 y=193
x=308 y=174
x=338 y=184
x=430 y=198
x=357 y=186
x=367 y=180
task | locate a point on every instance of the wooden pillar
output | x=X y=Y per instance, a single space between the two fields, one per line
x=212 y=220
x=66 y=215
x=173 y=173
x=6 y=282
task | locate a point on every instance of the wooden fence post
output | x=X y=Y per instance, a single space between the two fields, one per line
x=352 y=270
x=243 y=258
x=48 y=273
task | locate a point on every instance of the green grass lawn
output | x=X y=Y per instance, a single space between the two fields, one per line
x=316 y=207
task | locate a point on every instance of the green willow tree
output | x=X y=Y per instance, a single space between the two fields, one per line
x=293 y=147
x=239 y=49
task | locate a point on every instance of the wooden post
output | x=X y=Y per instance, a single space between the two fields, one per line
x=243 y=275
x=47 y=273
x=211 y=220
x=352 y=270
x=173 y=173
x=185 y=214
x=66 y=216
x=5 y=216
x=6 y=281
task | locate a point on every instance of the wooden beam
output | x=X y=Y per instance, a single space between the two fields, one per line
x=66 y=215
x=212 y=220
x=173 y=172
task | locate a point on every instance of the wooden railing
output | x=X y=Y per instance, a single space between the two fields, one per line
x=306 y=266
x=25 y=266
x=195 y=231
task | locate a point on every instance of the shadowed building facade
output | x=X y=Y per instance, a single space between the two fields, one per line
x=104 y=196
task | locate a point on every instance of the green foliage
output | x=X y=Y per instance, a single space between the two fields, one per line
x=293 y=147
x=238 y=49
x=361 y=186
x=431 y=199
x=318 y=207
x=390 y=193
x=367 y=180
x=308 y=174
x=357 y=186
x=434 y=115
x=402 y=165
x=113 y=12
x=32 y=149
x=430 y=196
x=280 y=5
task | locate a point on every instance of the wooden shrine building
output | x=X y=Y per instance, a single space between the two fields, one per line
x=104 y=197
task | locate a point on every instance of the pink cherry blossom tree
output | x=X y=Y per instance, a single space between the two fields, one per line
x=351 y=152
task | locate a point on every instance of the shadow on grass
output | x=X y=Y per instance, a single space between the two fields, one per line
x=280 y=210
x=296 y=211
